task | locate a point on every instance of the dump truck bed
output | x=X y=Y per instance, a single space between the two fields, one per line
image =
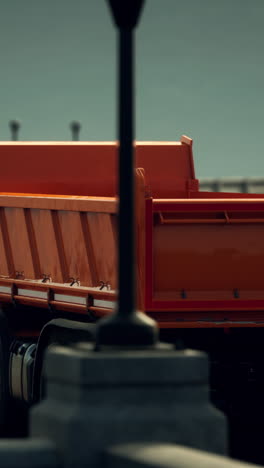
x=199 y=255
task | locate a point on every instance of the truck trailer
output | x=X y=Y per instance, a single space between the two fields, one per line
x=199 y=262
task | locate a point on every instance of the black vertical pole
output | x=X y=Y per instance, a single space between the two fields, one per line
x=127 y=327
x=126 y=174
x=75 y=127
x=14 y=126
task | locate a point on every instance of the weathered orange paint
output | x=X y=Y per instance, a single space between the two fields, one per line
x=82 y=168
x=200 y=255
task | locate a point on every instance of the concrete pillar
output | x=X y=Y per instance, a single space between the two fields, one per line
x=96 y=399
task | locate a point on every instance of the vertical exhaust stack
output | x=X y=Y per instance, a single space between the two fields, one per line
x=127 y=327
x=75 y=127
x=14 y=126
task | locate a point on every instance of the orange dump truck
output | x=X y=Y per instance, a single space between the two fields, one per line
x=200 y=255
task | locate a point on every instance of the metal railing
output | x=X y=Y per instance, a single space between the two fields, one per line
x=233 y=184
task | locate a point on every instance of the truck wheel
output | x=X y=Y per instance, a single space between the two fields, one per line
x=60 y=332
x=4 y=363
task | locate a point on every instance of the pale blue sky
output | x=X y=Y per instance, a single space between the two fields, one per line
x=200 y=71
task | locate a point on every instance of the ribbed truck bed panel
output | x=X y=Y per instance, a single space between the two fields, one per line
x=199 y=256
x=47 y=242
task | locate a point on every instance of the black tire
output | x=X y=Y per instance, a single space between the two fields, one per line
x=4 y=375
x=57 y=332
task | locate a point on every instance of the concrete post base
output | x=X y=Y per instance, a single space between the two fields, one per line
x=96 y=399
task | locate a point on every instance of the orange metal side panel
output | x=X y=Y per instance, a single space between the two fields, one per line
x=47 y=251
x=61 y=245
x=76 y=262
x=104 y=248
x=58 y=168
x=8 y=257
x=82 y=168
x=20 y=241
x=205 y=257
x=169 y=170
x=4 y=270
x=208 y=260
